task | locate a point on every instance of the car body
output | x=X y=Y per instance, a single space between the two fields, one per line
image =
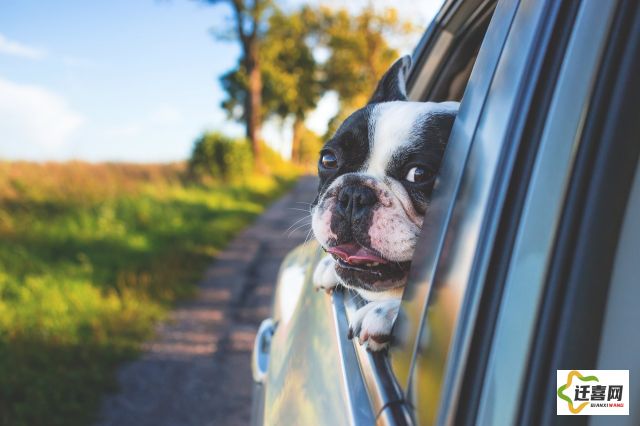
x=526 y=260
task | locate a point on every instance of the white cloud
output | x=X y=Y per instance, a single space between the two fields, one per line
x=35 y=123
x=14 y=48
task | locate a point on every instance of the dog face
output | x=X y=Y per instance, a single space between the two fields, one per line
x=376 y=175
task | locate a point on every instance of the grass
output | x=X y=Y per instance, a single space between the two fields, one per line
x=91 y=256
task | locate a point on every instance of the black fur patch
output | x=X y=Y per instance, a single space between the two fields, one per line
x=429 y=140
x=350 y=144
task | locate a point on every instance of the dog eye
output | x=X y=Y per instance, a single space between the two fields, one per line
x=329 y=161
x=417 y=175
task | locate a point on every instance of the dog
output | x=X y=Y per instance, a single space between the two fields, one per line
x=377 y=173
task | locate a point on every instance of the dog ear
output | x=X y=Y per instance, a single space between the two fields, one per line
x=392 y=85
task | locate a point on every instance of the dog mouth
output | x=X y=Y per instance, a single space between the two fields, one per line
x=363 y=267
x=355 y=255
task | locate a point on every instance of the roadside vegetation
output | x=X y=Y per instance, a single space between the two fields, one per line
x=91 y=256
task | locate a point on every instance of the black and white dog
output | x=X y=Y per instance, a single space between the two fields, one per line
x=376 y=175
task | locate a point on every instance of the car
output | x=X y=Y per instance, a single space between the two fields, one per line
x=528 y=259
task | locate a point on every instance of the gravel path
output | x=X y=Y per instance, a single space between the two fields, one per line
x=197 y=371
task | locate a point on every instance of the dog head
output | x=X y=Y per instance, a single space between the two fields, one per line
x=376 y=175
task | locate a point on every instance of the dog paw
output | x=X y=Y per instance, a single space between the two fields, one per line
x=324 y=276
x=372 y=324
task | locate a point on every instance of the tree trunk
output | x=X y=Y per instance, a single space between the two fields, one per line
x=296 y=140
x=254 y=102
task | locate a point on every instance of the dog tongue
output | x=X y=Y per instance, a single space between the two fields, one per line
x=355 y=254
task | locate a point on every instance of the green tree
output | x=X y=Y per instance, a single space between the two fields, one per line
x=291 y=74
x=292 y=79
x=359 y=53
x=291 y=85
x=245 y=88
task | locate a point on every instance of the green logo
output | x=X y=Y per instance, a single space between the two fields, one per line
x=561 y=389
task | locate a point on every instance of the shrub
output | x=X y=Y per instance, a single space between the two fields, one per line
x=222 y=158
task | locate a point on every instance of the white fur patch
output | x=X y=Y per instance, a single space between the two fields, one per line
x=321 y=221
x=391 y=127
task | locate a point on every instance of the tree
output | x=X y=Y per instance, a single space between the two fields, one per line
x=290 y=72
x=292 y=79
x=359 y=53
x=248 y=28
x=291 y=85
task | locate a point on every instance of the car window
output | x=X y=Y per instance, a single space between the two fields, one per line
x=477 y=166
x=442 y=75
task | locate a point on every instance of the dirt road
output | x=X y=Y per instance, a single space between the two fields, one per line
x=197 y=371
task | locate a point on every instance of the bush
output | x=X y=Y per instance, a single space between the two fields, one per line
x=222 y=158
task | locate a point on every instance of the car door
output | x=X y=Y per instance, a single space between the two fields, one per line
x=509 y=242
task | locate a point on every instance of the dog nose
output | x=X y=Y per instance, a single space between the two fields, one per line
x=354 y=201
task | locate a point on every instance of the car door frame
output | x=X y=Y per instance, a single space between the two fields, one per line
x=522 y=406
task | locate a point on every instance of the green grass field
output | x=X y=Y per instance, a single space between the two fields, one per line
x=90 y=257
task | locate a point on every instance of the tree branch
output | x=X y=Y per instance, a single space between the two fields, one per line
x=238 y=7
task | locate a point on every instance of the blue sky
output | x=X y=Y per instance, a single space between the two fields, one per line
x=119 y=80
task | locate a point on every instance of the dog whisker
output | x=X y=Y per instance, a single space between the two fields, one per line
x=308 y=235
x=297 y=222
x=298 y=228
x=300 y=210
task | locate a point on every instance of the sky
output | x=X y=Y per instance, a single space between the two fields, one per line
x=127 y=80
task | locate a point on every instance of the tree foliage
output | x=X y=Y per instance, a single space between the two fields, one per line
x=249 y=22
x=291 y=84
x=359 y=53
x=294 y=75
